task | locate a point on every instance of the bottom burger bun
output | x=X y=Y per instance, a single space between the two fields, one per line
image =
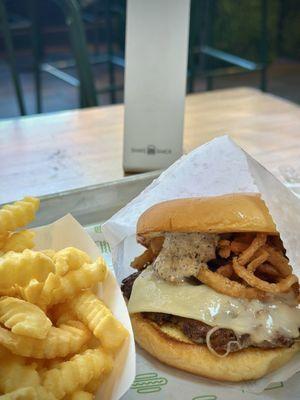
x=247 y=364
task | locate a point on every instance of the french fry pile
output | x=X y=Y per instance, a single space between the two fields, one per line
x=57 y=338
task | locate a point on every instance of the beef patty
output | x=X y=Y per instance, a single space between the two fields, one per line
x=197 y=331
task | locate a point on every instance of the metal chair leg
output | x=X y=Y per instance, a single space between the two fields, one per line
x=264 y=45
x=88 y=93
x=11 y=57
x=194 y=17
x=110 y=52
x=36 y=48
x=95 y=7
x=71 y=10
x=210 y=12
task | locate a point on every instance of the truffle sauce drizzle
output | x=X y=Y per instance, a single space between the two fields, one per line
x=183 y=254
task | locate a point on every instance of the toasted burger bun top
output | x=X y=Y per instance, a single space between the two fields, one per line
x=251 y=363
x=221 y=214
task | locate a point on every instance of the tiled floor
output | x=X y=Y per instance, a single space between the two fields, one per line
x=283 y=80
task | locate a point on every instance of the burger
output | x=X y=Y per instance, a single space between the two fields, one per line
x=214 y=293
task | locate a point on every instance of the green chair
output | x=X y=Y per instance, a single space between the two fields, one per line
x=111 y=14
x=85 y=81
x=71 y=9
x=11 y=58
x=206 y=50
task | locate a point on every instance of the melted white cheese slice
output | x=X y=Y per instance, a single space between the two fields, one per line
x=261 y=320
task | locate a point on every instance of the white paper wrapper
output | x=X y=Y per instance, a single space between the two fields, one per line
x=68 y=232
x=216 y=168
x=155 y=380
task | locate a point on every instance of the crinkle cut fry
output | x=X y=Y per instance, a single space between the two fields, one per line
x=16 y=374
x=61 y=313
x=69 y=259
x=21 y=268
x=24 y=318
x=28 y=393
x=24 y=393
x=81 y=395
x=56 y=289
x=226 y=286
x=93 y=385
x=3 y=238
x=18 y=241
x=76 y=373
x=93 y=312
x=18 y=214
x=66 y=339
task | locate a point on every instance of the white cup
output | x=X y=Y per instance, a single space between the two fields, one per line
x=155 y=82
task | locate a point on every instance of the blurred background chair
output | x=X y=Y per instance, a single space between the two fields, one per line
x=91 y=12
x=84 y=82
x=70 y=53
x=11 y=58
x=210 y=62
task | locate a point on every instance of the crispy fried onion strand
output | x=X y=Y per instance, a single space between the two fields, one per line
x=278 y=261
x=256 y=244
x=256 y=262
x=237 y=247
x=269 y=270
x=283 y=285
x=225 y=270
x=224 y=249
x=156 y=244
x=226 y=286
x=143 y=260
x=228 y=346
x=238 y=278
x=149 y=255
